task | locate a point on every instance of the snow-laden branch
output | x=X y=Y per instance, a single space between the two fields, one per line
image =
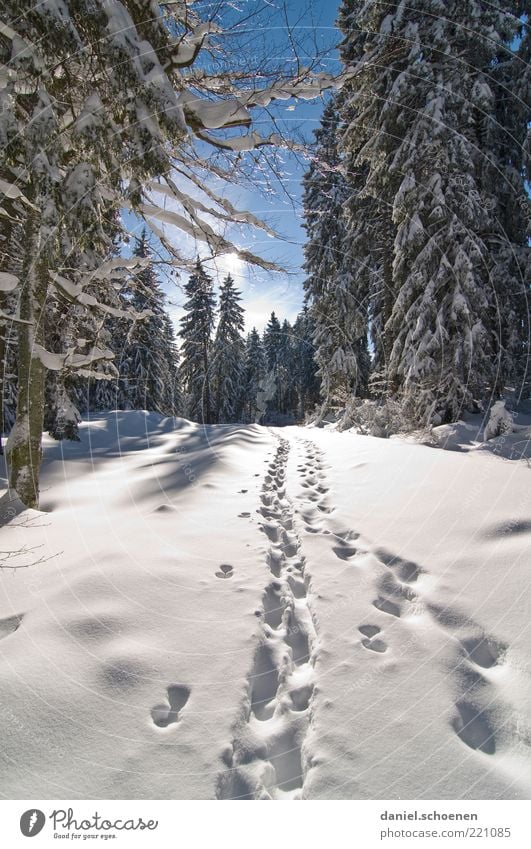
x=192 y=205
x=8 y=282
x=234 y=111
x=75 y=293
x=203 y=232
x=71 y=359
x=12 y=192
x=190 y=45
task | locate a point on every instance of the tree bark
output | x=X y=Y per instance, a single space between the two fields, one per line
x=24 y=446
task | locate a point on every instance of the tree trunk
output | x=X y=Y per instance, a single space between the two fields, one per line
x=3 y=351
x=24 y=446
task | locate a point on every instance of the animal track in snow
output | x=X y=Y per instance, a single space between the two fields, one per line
x=369 y=630
x=168 y=713
x=225 y=571
x=370 y=639
x=9 y=625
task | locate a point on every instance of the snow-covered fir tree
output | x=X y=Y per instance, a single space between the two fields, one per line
x=504 y=132
x=196 y=328
x=304 y=367
x=228 y=355
x=148 y=362
x=273 y=345
x=418 y=96
x=286 y=392
x=255 y=374
x=336 y=284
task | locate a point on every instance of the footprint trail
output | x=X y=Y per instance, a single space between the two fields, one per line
x=267 y=760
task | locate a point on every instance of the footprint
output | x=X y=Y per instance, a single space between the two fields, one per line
x=369 y=630
x=273 y=605
x=474 y=729
x=387 y=606
x=242 y=491
x=297 y=640
x=285 y=756
x=264 y=683
x=344 y=552
x=225 y=571
x=9 y=625
x=374 y=645
x=298 y=587
x=300 y=697
x=165 y=508
x=406 y=570
x=271 y=530
x=482 y=651
x=166 y=714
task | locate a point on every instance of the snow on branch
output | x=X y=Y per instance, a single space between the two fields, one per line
x=12 y=192
x=203 y=232
x=118 y=267
x=74 y=292
x=71 y=359
x=234 y=111
x=191 y=205
x=190 y=45
x=8 y=282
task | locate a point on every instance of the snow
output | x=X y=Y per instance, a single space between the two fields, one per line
x=8 y=282
x=371 y=595
x=56 y=362
x=503 y=433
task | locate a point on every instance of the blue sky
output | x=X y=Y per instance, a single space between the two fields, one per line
x=312 y=23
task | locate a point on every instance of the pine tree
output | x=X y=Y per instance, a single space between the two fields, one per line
x=228 y=355
x=255 y=373
x=196 y=348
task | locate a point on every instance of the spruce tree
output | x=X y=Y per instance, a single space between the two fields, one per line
x=304 y=375
x=336 y=286
x=228 y=355
x=148 y=362
x=419 y=98
x=196 y=346
x=255 y=372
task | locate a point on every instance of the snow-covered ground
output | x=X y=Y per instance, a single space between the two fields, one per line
x=266 y=613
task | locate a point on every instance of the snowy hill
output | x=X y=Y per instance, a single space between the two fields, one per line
x=234 y=611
